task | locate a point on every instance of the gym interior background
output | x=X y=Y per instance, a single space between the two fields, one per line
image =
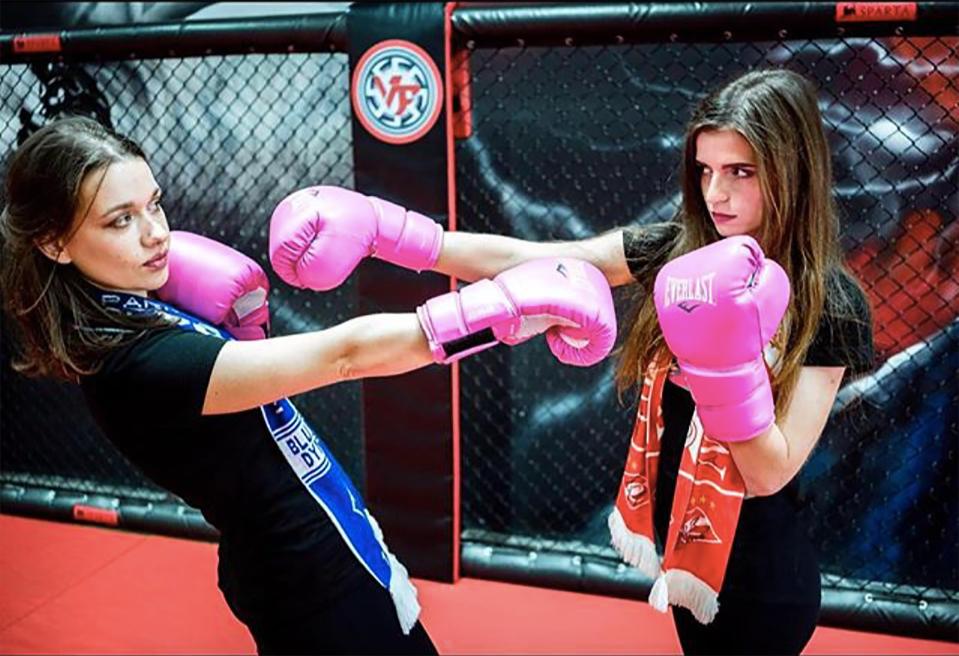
x=558 y=121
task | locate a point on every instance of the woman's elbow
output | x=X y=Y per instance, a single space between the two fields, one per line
x=766 y=484
x=356 y=359
x=348 y=358
x=347 y=365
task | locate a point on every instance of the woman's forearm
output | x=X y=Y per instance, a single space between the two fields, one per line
x=472 y=257
x=764 y=462
x=248 y=374
x=382 y=345
x=769 y=461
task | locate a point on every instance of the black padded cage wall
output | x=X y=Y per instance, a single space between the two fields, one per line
x=569 y=118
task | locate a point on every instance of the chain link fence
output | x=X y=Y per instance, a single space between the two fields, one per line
x=572 y=141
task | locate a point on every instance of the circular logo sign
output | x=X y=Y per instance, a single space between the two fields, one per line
x=397 y=92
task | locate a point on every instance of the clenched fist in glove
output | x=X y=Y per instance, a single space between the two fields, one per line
x=319 y=234
x=718 y=307
x=217 y=283
x=567 y=299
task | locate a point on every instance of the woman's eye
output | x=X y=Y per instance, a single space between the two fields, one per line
x=156 y=206
x=121 y=221
x=742 y=172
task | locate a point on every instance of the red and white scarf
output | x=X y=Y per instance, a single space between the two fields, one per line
x=702 y=522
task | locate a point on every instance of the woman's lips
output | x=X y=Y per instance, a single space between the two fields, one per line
x=719 y=217
x=158 y=262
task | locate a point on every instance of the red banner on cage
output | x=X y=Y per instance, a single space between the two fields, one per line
x=25 y=43
x=96 y=515
x=863 y=12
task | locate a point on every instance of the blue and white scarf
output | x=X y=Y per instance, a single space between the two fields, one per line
x=313 y=464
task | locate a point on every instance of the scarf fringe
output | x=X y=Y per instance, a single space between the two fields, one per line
x=404 y=595
x=637 y=550
x=681 y=588
x=402 y=591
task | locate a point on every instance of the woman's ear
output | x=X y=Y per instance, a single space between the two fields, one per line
x=55 y=250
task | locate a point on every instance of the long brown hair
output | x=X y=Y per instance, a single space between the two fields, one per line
x=776 y=111
x=59 y=323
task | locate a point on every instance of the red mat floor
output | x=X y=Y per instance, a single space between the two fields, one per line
x=72 y=589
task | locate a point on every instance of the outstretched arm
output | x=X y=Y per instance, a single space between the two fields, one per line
x=569 y=295
x=470 y=256
x=248 y=374
x=229 y=289
x=319 y=234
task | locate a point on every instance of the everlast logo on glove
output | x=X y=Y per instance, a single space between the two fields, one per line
x=680 y=291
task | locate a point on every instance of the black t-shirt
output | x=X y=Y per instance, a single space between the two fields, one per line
x=279 y=552
x=772 y=559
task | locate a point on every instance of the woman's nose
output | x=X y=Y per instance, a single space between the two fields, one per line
x=156 y=229
x=715 y=190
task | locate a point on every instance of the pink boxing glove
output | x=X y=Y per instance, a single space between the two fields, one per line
x=718 y=307
x=568 y=299
x=319 y=234
x=217 y=283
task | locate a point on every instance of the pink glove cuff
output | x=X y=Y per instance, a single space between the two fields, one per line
x=247 y=322
x=734 y=405
x=458 y=324
x=404 y=237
